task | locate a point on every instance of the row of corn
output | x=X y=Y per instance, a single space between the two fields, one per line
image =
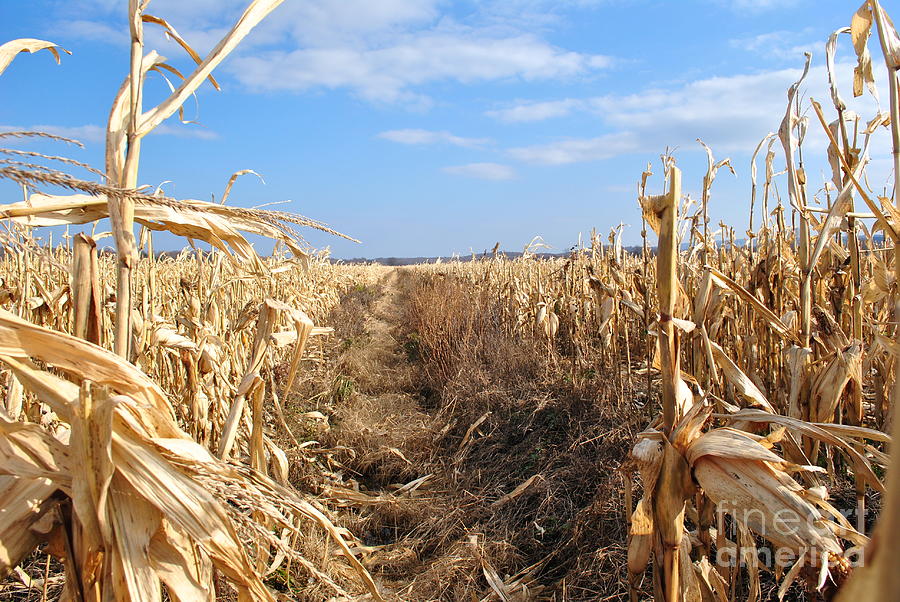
x=141 y=392
x=767 y=366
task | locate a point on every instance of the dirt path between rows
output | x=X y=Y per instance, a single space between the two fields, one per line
x=382 y=326
x=383 y=422
x=490 y=473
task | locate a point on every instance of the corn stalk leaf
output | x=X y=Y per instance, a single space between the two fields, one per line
x=9 y=50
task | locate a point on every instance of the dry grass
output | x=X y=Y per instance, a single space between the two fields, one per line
x=521 y=489
x=179 y=426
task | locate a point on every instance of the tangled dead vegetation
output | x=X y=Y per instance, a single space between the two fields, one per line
x=473 y=467
x=706 y=420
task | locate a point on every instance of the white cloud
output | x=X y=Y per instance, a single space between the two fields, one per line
x=381 y=51
x=719 y=100
x=537 y=111
x=201 y=22
x=577 y=150
x=309 y=22
x=781 y=45
x=530 y=15
x=324 y=24
x=758 y=6
x=730 y=113
x=727 y=112
x=421 y=137
x=388 y=73
x=97 y=31
x=482 y=171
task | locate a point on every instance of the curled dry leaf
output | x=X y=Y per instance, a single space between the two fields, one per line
x=9 y=50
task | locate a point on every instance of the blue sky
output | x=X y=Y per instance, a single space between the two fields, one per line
x=428 y=127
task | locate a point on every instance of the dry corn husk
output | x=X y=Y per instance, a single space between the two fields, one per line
x=752 y=484
x=648 y=455
x=828 y=386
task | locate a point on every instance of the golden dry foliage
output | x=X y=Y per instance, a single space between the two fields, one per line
x=121 y=454
x=9 y=50
x=774 y=361
x=149 y=470
x=766 y=370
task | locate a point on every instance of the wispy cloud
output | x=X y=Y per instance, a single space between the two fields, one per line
x=781 y=45
x=537 y=111
x=730 y=113
x=382 y=51
x=758 y=6
x=532 y=15
x=423 y=137
x=391 y=73
x=577 y=150
x=482 y=171
x=96 y=31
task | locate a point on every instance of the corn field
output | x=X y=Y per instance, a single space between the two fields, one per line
x=142 y=391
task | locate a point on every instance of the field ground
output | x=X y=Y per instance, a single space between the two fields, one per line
x=468 y=461
x=602 y=425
